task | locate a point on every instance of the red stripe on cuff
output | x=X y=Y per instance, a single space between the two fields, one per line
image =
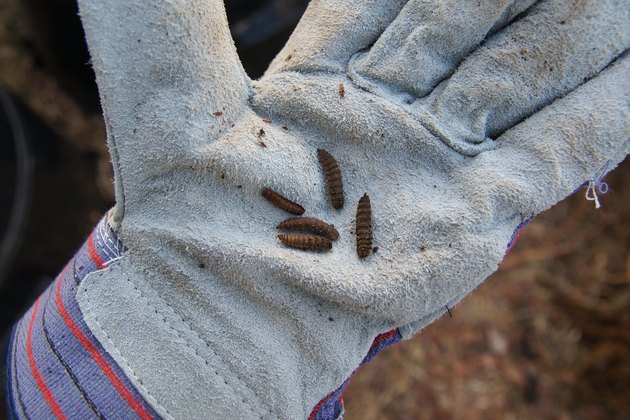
x=41 y=384
x=315 y=410
x=96 y=355
x=93 y=254
x=384 y=336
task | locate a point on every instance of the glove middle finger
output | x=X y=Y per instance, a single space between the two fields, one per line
x=428 y=40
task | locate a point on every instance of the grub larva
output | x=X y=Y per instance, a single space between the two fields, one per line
x=306 y=242
x=332 y=173
x=364 y=227
x=282 y=202
x=311 y=225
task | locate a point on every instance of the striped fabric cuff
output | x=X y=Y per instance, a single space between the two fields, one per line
x=57 y=369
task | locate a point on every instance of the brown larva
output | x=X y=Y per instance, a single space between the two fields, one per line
x=311 y=225
x=364 y=227
x=342 y=90
x=306 y=242
x=282 y=202
x=332 y=173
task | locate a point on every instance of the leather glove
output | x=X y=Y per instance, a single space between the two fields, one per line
x=460 y=120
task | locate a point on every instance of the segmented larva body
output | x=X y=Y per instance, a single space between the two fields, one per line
x=282 y=202
x=311 y=225
x=364 y=227
x=306 y=242
x=332 y=173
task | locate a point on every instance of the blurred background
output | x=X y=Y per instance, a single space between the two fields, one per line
x=547 y=336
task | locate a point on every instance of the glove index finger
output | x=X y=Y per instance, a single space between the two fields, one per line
x=427 y=41
x=163 y=68
x=174 y=50
x=574 y=140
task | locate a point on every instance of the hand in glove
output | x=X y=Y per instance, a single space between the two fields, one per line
x=460 y=120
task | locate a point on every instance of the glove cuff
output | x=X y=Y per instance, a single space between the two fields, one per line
x=56 y=367
x=231 y=354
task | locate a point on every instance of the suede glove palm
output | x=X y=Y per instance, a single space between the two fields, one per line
x=461 y=120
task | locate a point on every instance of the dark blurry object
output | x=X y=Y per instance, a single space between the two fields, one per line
x=59 y=46
x=261 y=29
x=47 y=203
x=16 y=182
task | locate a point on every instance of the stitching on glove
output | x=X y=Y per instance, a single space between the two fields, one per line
x=597 y=184
x=121 y=357
x=184 y=323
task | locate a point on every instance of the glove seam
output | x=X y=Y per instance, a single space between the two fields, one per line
x=184 y=339
x=116 y=214
x=115 y=348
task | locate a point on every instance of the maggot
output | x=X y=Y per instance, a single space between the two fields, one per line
x=306 y=242
x=311 y=225
x=364 y=227
x=332 y=173
x=282 y=202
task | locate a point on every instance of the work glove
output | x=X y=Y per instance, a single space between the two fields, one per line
x=457 y=120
